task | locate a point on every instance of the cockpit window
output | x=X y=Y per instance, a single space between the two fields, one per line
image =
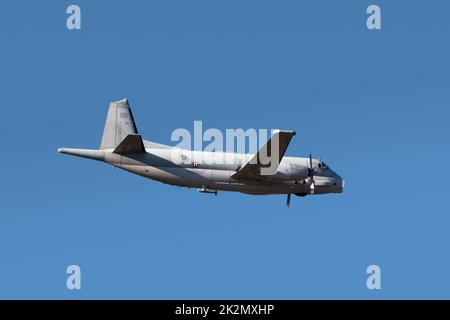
x=322 y=165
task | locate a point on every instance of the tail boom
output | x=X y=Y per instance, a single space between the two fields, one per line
x=84 y=153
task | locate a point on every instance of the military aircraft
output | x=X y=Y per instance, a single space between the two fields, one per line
x=123 y=147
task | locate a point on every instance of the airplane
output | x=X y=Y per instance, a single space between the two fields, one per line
x=123 y=147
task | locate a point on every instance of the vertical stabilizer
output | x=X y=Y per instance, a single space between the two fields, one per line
x=119 y=124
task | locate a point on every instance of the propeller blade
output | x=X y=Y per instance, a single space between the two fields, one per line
x=311 y=168
x=312 y=186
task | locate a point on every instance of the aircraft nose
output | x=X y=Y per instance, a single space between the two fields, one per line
x=340 y=184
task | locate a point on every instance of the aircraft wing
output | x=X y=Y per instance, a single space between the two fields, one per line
x=132 y=143
x=264 y=163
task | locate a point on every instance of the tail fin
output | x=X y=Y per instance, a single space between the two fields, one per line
x=119 y=124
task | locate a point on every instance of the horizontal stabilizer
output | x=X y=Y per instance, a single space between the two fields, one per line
x=131 y=144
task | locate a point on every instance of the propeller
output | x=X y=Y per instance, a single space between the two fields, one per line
x=311 y=170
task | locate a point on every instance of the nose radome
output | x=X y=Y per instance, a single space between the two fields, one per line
x=340 y=184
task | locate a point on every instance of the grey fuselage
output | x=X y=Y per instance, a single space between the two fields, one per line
x=122 y=147
x=197 y=169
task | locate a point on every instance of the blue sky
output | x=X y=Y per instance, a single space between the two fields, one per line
x=373 y=104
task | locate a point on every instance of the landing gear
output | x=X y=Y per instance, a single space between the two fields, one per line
x=288 y=200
